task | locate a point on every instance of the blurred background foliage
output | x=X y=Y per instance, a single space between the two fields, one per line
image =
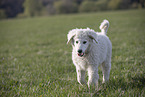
x=30 y=8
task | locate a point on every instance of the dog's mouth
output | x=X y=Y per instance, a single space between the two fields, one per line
x=80 y=54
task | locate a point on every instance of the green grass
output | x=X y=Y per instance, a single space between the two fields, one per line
x=35 y=60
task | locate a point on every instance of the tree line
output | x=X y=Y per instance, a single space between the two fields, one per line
x=30 y=8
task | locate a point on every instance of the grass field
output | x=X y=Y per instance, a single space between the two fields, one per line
x=35 y=60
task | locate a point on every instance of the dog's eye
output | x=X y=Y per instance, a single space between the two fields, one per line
x=76 y=42
x=84 y=42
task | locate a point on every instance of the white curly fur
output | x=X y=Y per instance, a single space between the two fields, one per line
x=90 y=49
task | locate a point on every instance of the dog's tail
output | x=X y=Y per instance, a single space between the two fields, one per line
x=104 y=26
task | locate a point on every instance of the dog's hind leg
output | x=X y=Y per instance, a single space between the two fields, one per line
x=106 y=71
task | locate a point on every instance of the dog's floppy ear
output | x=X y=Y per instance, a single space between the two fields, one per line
x=93 y=35
x=70 y=35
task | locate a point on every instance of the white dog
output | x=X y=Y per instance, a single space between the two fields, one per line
x=90 y=49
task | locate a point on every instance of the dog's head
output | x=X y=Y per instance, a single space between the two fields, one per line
x=81 y=40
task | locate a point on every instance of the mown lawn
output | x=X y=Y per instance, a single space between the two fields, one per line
x=36 y=61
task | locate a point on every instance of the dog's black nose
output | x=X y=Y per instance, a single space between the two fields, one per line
x=79 y=51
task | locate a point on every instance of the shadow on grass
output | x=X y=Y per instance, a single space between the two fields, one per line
x=121 y=84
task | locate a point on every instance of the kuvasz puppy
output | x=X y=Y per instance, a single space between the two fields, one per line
x=90 y=49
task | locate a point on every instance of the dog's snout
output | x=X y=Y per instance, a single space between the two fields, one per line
x=79 y=51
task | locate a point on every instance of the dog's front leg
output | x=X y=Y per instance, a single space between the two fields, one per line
x=81 y=76
x=93 y=77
